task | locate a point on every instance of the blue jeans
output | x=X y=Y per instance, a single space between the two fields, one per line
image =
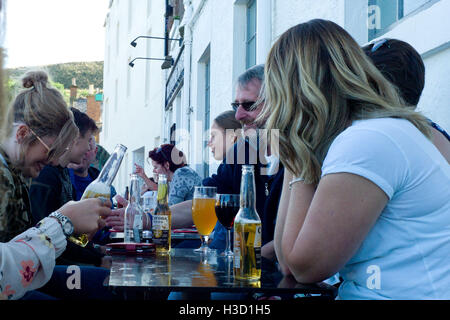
x=62 y=285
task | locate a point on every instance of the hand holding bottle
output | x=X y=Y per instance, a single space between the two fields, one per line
x=115 y=219
x=86 y=214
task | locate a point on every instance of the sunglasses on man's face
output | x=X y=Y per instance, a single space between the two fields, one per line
x=247 y=106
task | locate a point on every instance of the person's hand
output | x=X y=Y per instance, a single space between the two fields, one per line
x=121 y=201
x=86 y=214
x=140 y=171
x=115 y=219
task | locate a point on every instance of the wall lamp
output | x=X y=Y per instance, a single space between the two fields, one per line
x=168 y=61
x=134 y=43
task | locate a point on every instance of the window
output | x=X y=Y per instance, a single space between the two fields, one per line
x=130 y=14
x=383 y=13
x=251 y=35
x=172 y=134
x=138 y=157
x=207 y=117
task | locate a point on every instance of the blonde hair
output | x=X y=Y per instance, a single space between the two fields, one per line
x=318 y=80
x=43 y=109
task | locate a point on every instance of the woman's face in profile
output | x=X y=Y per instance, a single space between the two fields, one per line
x=217 y=141
x=159 y=168
x=220 y=140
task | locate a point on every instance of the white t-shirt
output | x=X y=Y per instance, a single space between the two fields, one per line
x=406 y=255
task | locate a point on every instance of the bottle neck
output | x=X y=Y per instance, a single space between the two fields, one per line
x=163 y=191
x=134 y=193
x=112 y=166
x=248 y=196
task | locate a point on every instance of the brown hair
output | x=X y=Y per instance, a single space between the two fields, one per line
x=43 y=109
x=402 y=65
x=168 y=153
x=227 y=120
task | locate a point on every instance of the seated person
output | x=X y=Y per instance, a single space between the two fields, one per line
x=81 y=175
x=182 y=179
x=371 y=199
x=403 y=66
x=53 y=188
x=228 y=176
x=40 y=131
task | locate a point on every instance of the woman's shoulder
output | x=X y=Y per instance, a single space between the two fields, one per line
x=186 y=175
x=6 y=178
x=186 y=171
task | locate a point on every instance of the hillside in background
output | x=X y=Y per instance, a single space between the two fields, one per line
x=86 y=73
x=61 y=75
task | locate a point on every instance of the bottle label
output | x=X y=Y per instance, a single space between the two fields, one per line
x=257 y=245
x=160 y=229
x=160 y=222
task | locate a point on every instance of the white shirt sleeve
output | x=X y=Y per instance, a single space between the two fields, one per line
x=27 y=261
x=371 y=154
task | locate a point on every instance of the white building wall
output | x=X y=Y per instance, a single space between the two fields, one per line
x=218 y=31
x=428 y=32
x=133 y=97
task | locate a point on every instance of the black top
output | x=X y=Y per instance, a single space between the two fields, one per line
x=49 y=192
x=268 y=188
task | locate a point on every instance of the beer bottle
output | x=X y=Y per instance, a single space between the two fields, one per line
x=133 y=218
x=101 y=187
x=247 y=232
x=162 y=218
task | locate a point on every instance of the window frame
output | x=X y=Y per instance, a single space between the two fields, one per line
x=400 y=16
x=250 y=39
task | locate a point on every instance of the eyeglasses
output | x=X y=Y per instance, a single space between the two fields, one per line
x=51 y=152
x=247 y=106
x=379 y=43
x=40 y=140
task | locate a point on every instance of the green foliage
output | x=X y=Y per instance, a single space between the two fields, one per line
x=86 y=73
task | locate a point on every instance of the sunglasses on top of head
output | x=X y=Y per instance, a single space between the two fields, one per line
x=378 y=44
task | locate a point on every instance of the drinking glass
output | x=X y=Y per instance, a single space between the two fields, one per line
x=227 y=206
x=203 y=214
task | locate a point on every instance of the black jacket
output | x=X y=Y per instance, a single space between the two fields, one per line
x=268 y=188
x=49 y=192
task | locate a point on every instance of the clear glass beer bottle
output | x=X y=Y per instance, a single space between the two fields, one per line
x=247 y=232
x=162 y=218
x=134 y=214
x=101 y=187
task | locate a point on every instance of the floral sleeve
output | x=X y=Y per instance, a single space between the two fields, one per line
x=27 y=261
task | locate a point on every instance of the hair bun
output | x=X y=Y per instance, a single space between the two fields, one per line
x=32 y=78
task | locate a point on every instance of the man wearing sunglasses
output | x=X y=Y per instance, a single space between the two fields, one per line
x=247 y=94
x=228 y=177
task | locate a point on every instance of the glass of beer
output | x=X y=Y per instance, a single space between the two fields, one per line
x=204 y=214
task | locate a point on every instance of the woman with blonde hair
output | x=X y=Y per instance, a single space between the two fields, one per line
x=37 y=134
x=365 y=192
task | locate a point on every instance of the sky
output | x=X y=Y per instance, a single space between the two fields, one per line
x=54 y=31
